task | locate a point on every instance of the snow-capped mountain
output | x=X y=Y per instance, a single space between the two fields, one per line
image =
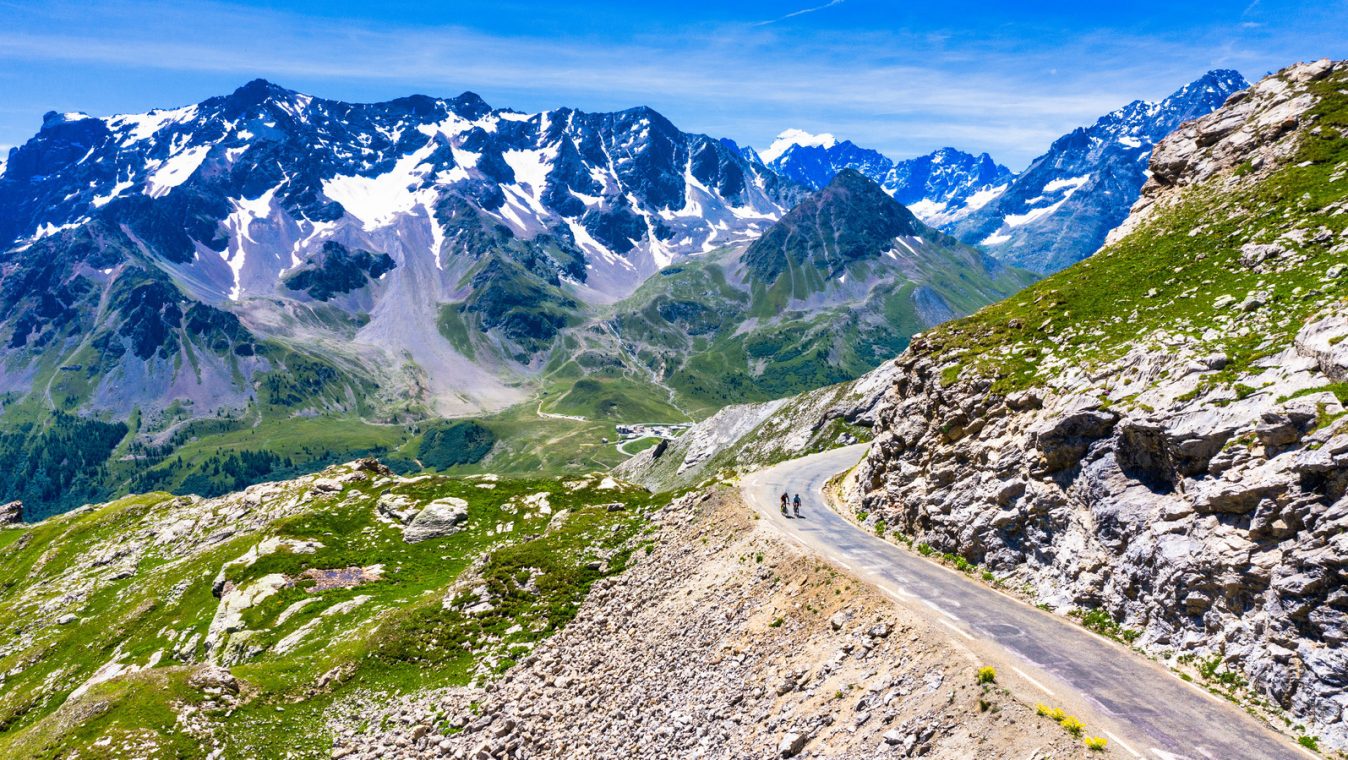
x=938 y=187
x=946 y=184
x=354 y=226
x=833 y=289
x=1059 y=210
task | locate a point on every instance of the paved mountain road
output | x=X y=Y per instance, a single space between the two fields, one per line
x=1147 y=710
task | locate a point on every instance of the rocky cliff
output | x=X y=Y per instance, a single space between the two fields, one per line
x=1155 y=437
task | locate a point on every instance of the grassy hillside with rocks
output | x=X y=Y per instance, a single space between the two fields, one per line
x=725 y=640
x=829 y=292
x=161 y=626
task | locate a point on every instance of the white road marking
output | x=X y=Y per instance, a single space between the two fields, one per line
x=956 y=629
x=844 y=565
x=1119 y=742
x=1166 y=755
x=932 y=605
x=1041 y=687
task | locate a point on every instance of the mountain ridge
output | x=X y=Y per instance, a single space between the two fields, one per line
x=1029 y=218
x=1060 y=209
x=946 y=178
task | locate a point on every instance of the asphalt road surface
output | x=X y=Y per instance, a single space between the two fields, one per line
x=1149 y=712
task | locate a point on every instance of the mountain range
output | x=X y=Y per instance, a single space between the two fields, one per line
x=180 y=275
x=191 y=281
x=929 y=185
x=1049 y=216
x=236 y=207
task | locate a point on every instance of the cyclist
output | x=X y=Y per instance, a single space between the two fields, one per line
x=784 y=498
x=796 y=504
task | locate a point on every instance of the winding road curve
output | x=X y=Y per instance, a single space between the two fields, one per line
x=1147 y=711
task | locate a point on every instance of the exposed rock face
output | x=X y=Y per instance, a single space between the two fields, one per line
x=1198 y=503
x=11 y=513
x=1213 y=530
x=437 y=519
x=440 y=518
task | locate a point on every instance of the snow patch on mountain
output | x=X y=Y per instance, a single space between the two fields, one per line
x=175 y=171
x=136 y=127
x=375 y=201
x=240 y=223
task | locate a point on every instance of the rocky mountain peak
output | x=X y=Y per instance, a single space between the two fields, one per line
x=1062 y=207
x=852 y=218
x=260 y=91
x=1253 y=134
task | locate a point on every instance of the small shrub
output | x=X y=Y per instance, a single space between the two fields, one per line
x=1309 y=742
x=987 y=674
x=1041 y=709
x=1096 y=743
x=880 y=528
x=758 y=558
x=925 y=549
x=1099 y=621
x=989 y=577
x=862 y=515
x=776 y=623
x=1072 y=726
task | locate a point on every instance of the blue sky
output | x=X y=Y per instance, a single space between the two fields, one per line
x=904 y=78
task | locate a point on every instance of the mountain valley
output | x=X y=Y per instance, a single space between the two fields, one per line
x=427 y=428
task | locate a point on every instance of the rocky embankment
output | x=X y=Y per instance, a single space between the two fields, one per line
x=723 y=641
x=1192 y=486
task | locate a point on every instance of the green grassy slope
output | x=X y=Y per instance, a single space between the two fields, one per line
x=137 y=577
